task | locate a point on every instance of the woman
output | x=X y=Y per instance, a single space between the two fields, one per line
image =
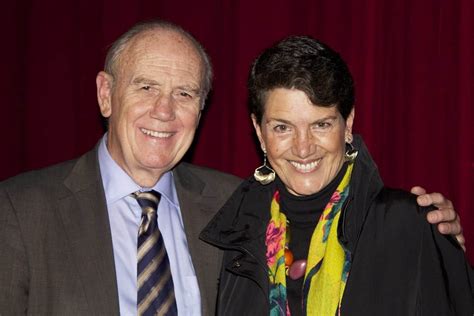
x=324 y=236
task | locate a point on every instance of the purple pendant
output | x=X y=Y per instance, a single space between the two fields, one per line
x=297 y=269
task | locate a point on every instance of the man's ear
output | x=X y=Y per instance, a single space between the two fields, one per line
x=258 y=130
x=104 y=82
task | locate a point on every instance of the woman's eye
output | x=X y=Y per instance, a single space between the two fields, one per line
x=281 y=128
x=323 y=125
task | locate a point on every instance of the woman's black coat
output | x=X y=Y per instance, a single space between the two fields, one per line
x=401 y=265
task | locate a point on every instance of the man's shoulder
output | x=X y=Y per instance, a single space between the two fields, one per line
x=35 y=190
x=40 y=177
x=209 y=176
x=47 y=179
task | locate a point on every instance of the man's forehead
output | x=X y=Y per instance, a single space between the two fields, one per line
x=163 y=41
x=163 y=44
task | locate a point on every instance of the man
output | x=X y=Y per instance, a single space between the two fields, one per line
x=68 y=233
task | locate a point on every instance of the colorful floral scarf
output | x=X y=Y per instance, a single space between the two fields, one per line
x=328 y=263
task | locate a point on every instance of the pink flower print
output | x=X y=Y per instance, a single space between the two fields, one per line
x=273 y=241
x=336 y=197
x=276 y=196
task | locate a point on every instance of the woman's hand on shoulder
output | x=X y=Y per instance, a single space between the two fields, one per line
x=445 y=216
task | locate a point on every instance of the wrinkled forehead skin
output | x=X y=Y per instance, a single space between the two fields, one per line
x=169 y=46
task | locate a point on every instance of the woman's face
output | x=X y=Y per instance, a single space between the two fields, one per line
x=305 y=143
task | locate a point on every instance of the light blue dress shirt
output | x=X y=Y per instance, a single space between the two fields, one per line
x=125 y=215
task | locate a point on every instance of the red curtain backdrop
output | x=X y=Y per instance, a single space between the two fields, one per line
x=413 y=63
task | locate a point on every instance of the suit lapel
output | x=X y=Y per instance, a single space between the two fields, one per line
x=85 y=218
x=198 y=206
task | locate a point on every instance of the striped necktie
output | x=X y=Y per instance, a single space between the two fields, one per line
x=155 y=285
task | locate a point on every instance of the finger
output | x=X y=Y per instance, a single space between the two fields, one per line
x=461 y=241
x=440 y=201
x=442 y=215
x=437 y=199
x=418 y=190
x=449 y=228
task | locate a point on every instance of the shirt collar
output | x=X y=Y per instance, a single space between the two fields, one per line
x=118 y=184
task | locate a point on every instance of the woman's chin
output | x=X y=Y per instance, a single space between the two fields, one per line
x=304 y=189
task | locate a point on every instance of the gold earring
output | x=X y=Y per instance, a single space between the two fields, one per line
x=351 y=152
x=349 y=138
x=264 y=174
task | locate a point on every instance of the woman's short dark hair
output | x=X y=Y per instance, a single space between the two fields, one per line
x=306 y=64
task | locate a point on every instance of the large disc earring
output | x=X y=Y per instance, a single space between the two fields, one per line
x=351 y=152
x=264 y=174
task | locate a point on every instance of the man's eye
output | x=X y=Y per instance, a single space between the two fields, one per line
x=185 y=96
x=146 y=88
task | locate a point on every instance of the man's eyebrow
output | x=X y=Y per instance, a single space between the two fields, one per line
x=191 y=88
x=140 y=80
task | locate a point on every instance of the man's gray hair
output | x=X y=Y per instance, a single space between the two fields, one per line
x=117 y=47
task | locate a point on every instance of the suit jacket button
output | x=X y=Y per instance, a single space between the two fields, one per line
x=236 y=265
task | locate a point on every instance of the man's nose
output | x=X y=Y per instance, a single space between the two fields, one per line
x=163 y=108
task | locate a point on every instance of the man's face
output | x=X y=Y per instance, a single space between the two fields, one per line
x=152 y=103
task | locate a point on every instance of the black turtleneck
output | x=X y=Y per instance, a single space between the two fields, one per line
x=303 y=214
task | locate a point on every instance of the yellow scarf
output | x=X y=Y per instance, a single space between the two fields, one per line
x=328 y=263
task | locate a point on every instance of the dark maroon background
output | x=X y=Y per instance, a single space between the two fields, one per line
x=413 y=62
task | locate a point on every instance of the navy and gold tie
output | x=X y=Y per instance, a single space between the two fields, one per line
x=155 y=285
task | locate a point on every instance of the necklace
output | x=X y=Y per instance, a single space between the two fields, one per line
x=295 y=269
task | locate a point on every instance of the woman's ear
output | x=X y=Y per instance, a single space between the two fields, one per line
x=104 y=82
x=350 y=122
x=258 y=130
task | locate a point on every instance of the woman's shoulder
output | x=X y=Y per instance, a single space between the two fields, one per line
x=398 y=219
x=397 y=222
x=401 y=204
x=415 y=247
x=405 y=263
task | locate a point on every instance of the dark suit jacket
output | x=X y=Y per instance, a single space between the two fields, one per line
x=56 y=255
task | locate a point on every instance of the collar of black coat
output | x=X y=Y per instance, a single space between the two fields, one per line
x=365 y=185
x=243 y=218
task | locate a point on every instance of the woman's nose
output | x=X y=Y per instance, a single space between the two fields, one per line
x=303 y=145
